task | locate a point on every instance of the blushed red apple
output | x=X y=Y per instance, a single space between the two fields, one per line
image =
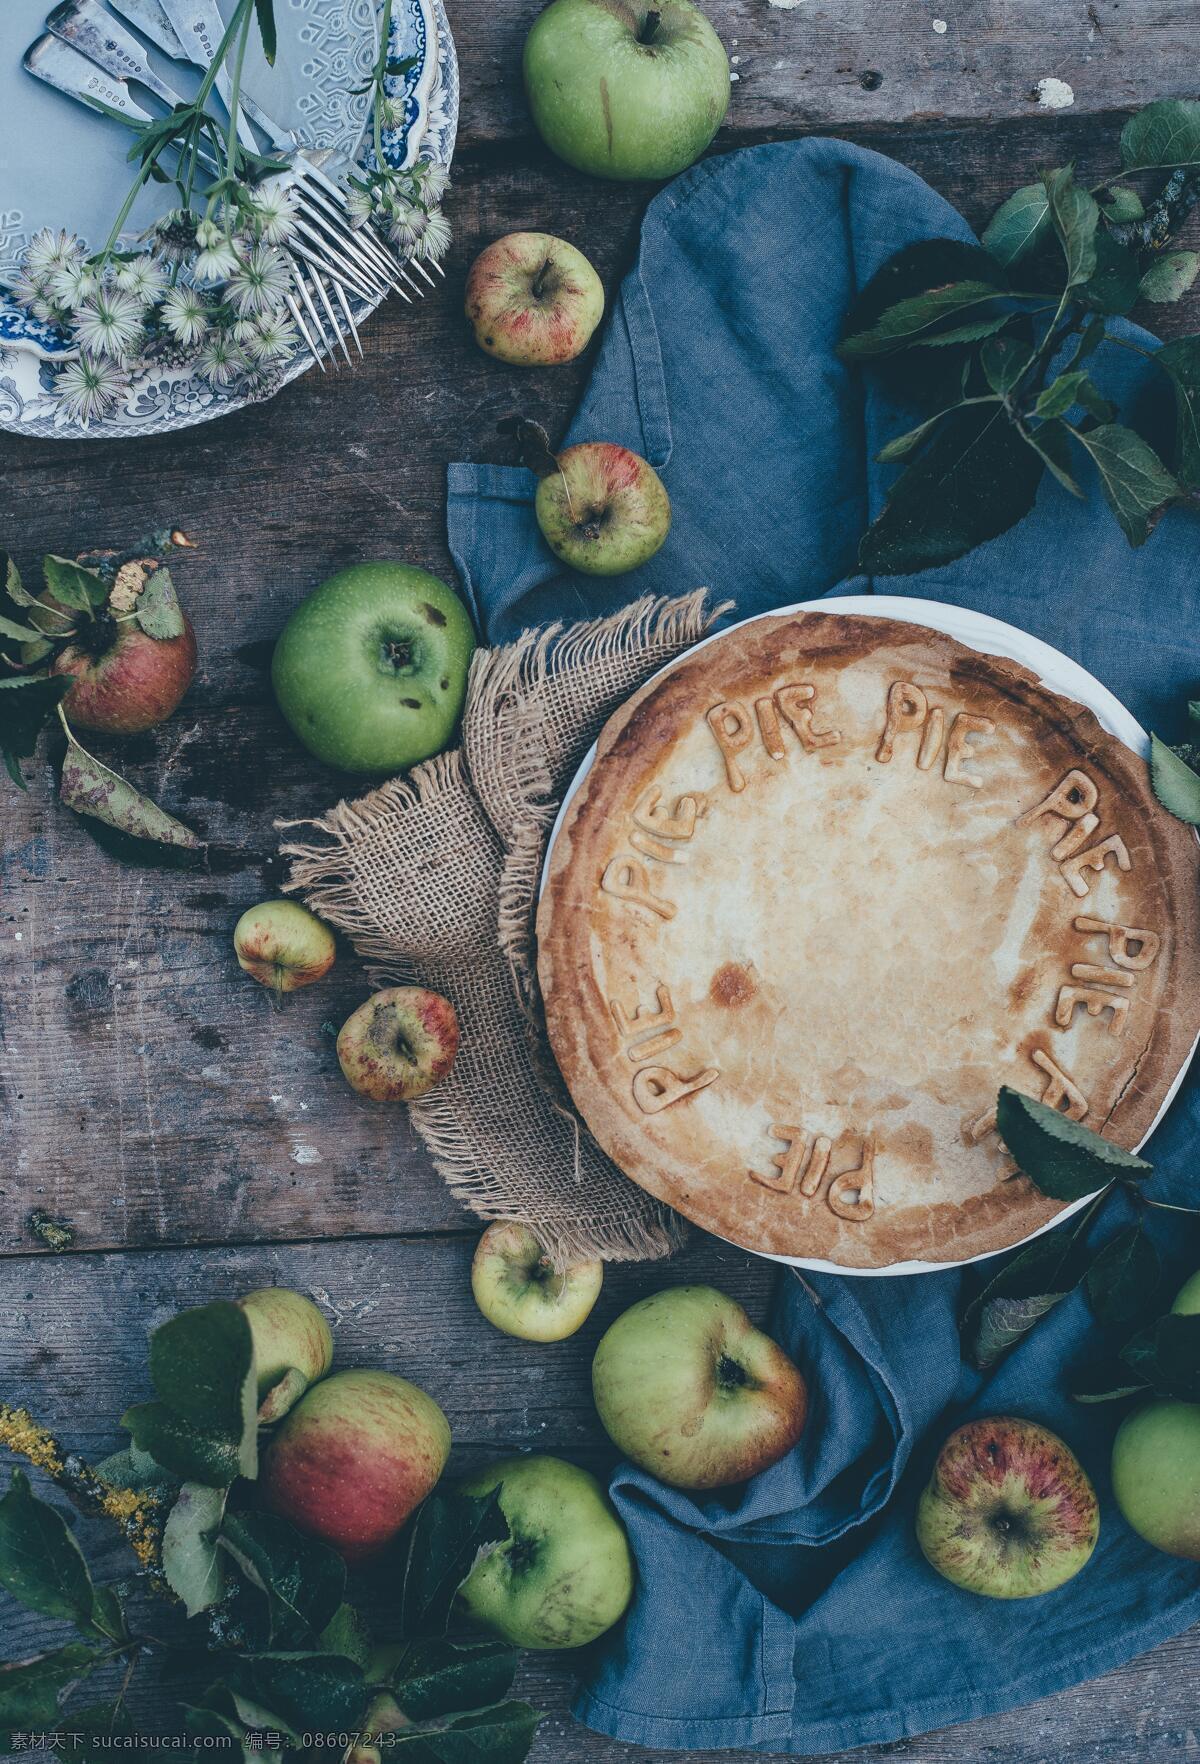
x=1009 y=1511
x=354 y=1458
x=691 y=1391
x=125 y=681
x=397 y=1045
x=533 y=300
x=604 y=511
x=282 y=945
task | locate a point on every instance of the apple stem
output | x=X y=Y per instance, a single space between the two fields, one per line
x=650 y=27
x=539 y=281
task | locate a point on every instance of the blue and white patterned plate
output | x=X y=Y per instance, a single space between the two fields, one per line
x=326 y=49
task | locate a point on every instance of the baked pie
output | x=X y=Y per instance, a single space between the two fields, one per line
x=830 y=882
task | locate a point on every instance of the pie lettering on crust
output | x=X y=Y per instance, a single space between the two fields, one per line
x=830 y=882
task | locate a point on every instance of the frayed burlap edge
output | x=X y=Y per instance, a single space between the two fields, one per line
x=435 y=878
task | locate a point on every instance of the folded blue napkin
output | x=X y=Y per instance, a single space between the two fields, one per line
x=797 y=1614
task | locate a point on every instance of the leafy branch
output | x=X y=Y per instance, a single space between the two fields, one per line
x=998 y=339
x=260 y=1623
x=85 y=605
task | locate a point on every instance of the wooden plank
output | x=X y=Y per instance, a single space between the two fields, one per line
x=846 y=64
x=148 y=1093
x=72 y=1346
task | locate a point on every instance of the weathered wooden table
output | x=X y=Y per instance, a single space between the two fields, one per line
x=198 y=1143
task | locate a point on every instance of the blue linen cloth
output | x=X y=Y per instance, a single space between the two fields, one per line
x=797 y=1614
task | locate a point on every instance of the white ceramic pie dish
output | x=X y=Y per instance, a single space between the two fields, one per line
x=992 y=637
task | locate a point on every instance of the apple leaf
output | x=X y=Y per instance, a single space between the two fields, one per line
x=264 y=12
x=1119 y=203
x=1059 y=395
x=89 y=788
x=450 y=1534
x=1052 y=441
x=1113 y=284
x=137 y=1470
x=187 y=1452
x=27 y=701
x=314 y=1693
x=1062 y=1158
x=302 y=1578
x=72 y=585
x=1167 y=1356
x=434 y=1678
x=13 y=586
x=347 y=1634
x=41 y=1565
x=1109 y=1380
x=489 y=1736
x=19 y=633
x=1018 y=224
x=30 y=1691
x=192 y=1567
x=1004 y=360
x=976 y=479
x=1169 y=277
x=1165 y=133
x=1175 y=784
x=158 y=611
x=202 y=1366
x=1074 y=217
x=1020 y=1295
x=912 y=319
x=1137 y=485
x=1181 y=361
x=1124 y=1277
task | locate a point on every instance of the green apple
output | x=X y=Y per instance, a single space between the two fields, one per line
x=1009 y=1511
x=1187 y=1299
x=371 y=669
x=565 y=1575
x=1156 y=1474
x=533 y=300
x=518 y=1288
x=282 y=945
x=604 y=511
x=690 y=1390
x=293 y=1347
x=626 y=90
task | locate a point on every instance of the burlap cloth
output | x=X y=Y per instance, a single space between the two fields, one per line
x=434 y=878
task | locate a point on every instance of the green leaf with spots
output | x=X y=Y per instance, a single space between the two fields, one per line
x=502 y=1735
x=302 y=1578
x=89 y=788
x=321 y=1693
x=158 y=611
x=450 y=1534
x=1169 y=277
x=190 y=1454
x=72 y=585
x=1062 y=1158
x=435 y=1678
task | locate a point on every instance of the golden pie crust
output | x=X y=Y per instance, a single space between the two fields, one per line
x=829 y=883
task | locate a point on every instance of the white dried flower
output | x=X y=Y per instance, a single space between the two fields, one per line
x=360 y=205
x=220 y=361
x=275 y=339
x=434 y=180
x=143 y=277
x=27 y=288
x=392 y=113
x=273 y=213
x=185 y=315
x=87 y=389
x=434 y=242
x=216 y=262
x=49 y=251
x=406 y=222
x=259 y=281
x=72 y=283
x=109 y=323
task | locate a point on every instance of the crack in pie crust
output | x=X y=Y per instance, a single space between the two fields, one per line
x=829 y=882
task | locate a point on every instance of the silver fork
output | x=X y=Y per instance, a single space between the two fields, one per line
x=328 y=260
